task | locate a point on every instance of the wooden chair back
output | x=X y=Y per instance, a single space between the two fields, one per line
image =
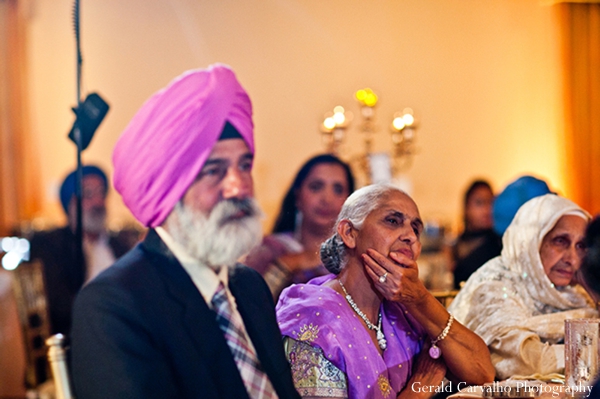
x=445 y=297
x=30 y=295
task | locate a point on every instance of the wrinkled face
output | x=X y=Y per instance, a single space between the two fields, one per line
x=322 y=194
x=394 y=226
x=225 y=175
x=563 y=249
x=478 y=212
x=217 y=220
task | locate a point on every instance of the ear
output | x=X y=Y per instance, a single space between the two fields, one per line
x=347 y=232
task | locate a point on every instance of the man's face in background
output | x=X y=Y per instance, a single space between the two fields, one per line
x=93 y=205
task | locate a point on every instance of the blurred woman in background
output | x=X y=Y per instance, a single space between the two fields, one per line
x=479 y=242
x=308 y=212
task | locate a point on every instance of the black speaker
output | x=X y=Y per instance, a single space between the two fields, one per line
x=89 y=116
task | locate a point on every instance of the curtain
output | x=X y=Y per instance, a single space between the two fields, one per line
x=19 y=170
x=580 y=31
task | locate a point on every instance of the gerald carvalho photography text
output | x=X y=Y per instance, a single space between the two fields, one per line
x=537 y=388
x=505 y=389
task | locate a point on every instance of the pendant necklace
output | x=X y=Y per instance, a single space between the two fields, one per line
x=380 y=337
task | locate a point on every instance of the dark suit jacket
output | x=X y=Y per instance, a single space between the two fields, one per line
x=142 y=329
x=63 y=275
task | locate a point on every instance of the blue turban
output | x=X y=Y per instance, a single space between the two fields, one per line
x=508 y=202
x=67 y=189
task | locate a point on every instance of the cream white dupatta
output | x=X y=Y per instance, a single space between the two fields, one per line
x=512 y=304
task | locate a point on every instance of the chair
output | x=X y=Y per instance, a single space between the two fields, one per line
x=57 y=357
x=445 y=297
x=30 y=295
x=12 y=345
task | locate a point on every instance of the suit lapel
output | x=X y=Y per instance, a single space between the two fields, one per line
x=199 y=320
x=255 y=308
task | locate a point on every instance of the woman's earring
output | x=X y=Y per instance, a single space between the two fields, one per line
x=298 y=225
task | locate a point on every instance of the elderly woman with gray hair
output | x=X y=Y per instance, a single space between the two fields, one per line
x=371 y=329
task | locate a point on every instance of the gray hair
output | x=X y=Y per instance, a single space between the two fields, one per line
x=356 y=208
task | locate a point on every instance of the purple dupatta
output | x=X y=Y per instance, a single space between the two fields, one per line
x=320 y=316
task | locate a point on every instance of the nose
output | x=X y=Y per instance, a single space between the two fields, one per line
x=237 y=184
x=94 y=201
x=327 y=196
x=99 y=200
x=572 y=257
x=488 y=210
x=408 y=234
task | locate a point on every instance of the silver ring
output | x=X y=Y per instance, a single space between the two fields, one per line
x=383 y=278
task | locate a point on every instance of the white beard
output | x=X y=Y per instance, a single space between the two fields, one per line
x=94 y=221
x=222 y=238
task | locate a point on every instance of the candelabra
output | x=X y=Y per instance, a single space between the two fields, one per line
x=403 y=137
x=375 y=166
x=333 y=129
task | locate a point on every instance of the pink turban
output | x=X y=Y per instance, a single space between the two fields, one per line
x=167 y=142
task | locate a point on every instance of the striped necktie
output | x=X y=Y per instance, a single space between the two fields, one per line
x=256 y=381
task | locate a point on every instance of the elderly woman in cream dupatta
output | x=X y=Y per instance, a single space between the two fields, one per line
x=518 y=302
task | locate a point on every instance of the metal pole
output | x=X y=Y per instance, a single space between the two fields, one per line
x=77 y=133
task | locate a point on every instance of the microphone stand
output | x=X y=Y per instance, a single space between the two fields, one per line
x=89 y=114
x=78 y=143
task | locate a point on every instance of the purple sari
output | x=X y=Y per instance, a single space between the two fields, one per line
x=321 y=317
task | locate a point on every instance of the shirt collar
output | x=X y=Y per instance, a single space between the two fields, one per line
x=205 y=278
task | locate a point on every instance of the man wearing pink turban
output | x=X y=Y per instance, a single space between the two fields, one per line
x=177 y=317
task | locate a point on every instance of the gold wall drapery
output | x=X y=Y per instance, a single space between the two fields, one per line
x=580 y=29
x=19 y=171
